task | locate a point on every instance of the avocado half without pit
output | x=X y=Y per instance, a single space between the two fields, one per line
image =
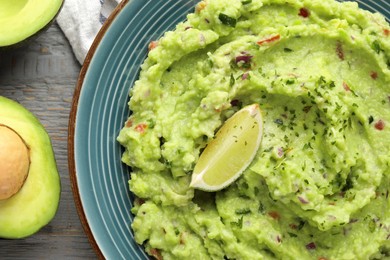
x=29 y=180
x=21 y=20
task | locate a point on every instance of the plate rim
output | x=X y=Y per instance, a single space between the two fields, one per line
x=72 y=126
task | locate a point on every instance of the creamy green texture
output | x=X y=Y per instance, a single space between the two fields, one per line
x=319 y=185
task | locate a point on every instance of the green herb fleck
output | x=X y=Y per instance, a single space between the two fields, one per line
x=227 y=20
x=376 y=46
x=238 y=223
x=243 y=211
x=278 y=121
x=290 y=81
x=292 y=234
x=372 y=225
x=246 y=2
x=261 y=208
x=232 y=80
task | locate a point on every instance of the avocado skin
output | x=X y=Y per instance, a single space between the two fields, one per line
x=27 y=40
x=36 y=203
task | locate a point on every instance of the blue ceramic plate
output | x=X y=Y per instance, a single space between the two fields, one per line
x=99 y=179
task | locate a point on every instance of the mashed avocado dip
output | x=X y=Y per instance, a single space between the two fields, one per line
x=319 y=185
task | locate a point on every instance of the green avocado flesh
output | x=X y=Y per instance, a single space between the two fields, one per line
x=21 y=19
x=36 y=203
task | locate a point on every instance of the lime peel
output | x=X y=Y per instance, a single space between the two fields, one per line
x=231 y=151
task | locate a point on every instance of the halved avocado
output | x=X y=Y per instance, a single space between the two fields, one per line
x=23 y=19
x=29 y=180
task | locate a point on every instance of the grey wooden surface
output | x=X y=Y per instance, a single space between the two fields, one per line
x=42 y=77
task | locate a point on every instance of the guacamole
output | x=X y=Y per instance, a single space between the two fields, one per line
x=318 y=187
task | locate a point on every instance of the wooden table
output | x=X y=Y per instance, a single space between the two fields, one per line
x=42 y=77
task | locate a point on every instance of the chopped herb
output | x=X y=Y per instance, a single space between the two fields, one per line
x=292 y=234
x=278 y=121
x=232 y=80
x=238 y=223
x=372 y=225
x=376 y=46
x=211 y=63
x=243 y=211
x=246 y=2
x=261 y=208
x=321 y=80
x=354 y=93
x=227 y=20
x=287 y=49
x=370 y=119
x=301 y=224
x=290 y=81
x=307 y=145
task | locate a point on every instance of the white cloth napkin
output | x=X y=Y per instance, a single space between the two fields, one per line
x=80 y=20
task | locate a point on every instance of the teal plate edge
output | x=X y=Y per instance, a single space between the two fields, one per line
x=99 y=179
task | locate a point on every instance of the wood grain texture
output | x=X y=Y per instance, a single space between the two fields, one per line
x=42 y=77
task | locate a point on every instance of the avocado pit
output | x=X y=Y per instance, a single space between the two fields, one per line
x=14 y=162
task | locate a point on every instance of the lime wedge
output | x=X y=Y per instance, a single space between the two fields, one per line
x=231 y=151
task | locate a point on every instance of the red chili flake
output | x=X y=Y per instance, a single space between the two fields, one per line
x=156 y=253
x=322 y=258
x=380 y=125
x=304 y=12
x=152 y=45
x=141 y=127
x=374 y=75
x=129 y=123
x=346 y=87
x=274 y=214
x=311 y=246
x=340 y=51
x=270 y=39
x=293 y=226
x=386 y=32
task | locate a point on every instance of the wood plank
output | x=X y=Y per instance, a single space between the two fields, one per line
x=42 y=77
